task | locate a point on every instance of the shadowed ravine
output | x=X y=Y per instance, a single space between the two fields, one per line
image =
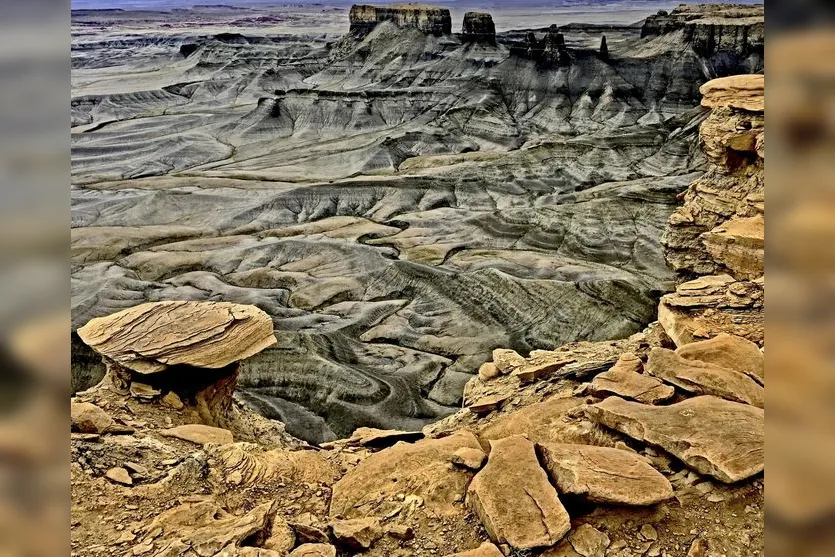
x=400 y=203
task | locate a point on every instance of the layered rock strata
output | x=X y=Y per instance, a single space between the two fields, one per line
x=364 y=18
x=478 y=27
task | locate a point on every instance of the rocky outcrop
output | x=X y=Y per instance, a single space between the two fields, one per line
x=694 y=376
x=717 y=437
x=624 y=380
x=722 y=211
x=427 y=19
x=737 y=29
x=478 y=27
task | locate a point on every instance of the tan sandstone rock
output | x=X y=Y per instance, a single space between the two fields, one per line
x=358 y=533
x=421 y=470
x=507 y=360
x=583 y=541
x=604 y=474
x=728 y=351
x=119 y=475
x=550 y=421
x=469 y=458
x=487 y=404
x=739 y=244
x=625 y=380
x=695 y=376
x=314 y=550
x=199 y=434
x=714 y=436
x=745 y=92
x=703 y=307
x=150 y=337
x=514 y=500
x=486 y=549
x=89 y=418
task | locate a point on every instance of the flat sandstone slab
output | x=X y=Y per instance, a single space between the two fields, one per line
x=150 y=337
x=514 y=499
x=604 y=474
x=695 y=376
x=714 y=436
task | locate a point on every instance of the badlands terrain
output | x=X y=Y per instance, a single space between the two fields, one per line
x=401 y=193
x=648 y=446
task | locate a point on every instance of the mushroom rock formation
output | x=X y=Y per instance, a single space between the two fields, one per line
x=189 y=348
x=478 y=27
x=427 y=19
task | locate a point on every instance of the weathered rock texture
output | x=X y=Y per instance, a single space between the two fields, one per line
x=427 y=19
x=478 y=27
x=151 y=337
x=717 y=437
x=732 y=29
x=725 y=208
x=514 y=500
x=704 y=378
x=604 y=475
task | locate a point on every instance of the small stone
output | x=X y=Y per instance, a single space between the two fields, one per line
x=649 y=532
x=119 y=475
x=488 y=371
x=588 y=541
x=172 y=400
x=358 y=533
x=698 y=548
x=143 y=391
x=486 y=549
x=400 y=531
x=487 y=404
x=507 y=360
x=467 y=457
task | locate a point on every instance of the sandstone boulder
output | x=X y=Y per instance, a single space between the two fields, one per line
x=699 y=377
x=604 y=475
x=469 y=458
x=514 y=500
x=357 y=534
x=625 y=381
x=150 y=337
x=89 y=418
x=119 y=475
x=421 y=471
x=728 y=351
x=703 y=307
x=487 y=404
x=714 y=436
